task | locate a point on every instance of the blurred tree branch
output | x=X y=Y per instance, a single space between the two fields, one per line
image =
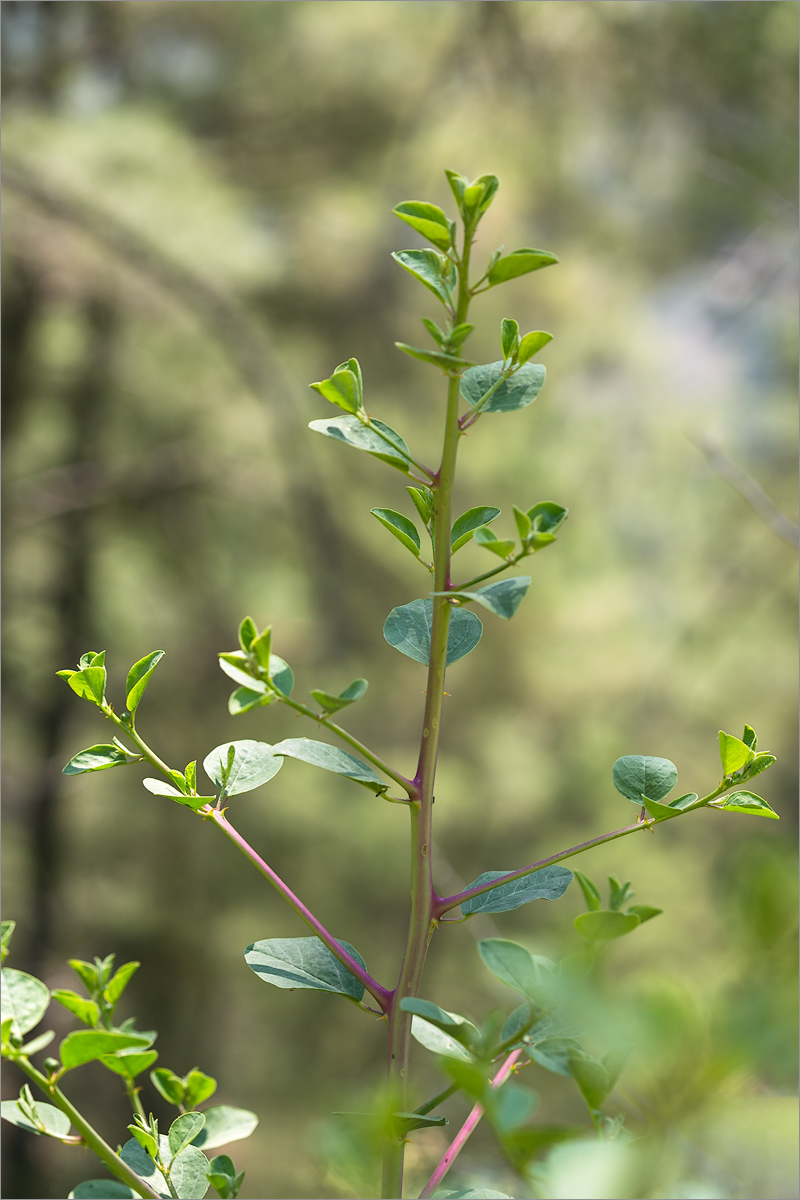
x=748 y=489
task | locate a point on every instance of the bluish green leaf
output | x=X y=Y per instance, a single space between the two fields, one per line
x=88 y=1044
x=55 y=1122
x=734 y=753
x=510 y=1107
x=437 y=358
x=23 y=998
x=404 y=530
x=140 y=1161
x=97 y=758
x=427 y=219
x=453 y=1024
x=188 y=1170
x=517 y=392
x=331 y=704
x=746 y=802
x=129 y=1063
x=281 y=674
x=331 y=758
x=85 y=1010
x=468 y=522
x=244 y=699
x=408 y=629
x=554 y=1054
x=183 y=1130
x=304 y=963
x=139 y=677
x=503 y=598
x=661 y=812
x=531 y=344
x=432 y=269
x=757 y=765
x=377 y=439
x=102 y=1189
x=547 y=884
x=519 y=262
x=226 y=1124
x=254 y=763
x=547 y=516
x=637 y=776
x=515 y=966
x=604 y=925
x=89 y=684
x=437 y=1040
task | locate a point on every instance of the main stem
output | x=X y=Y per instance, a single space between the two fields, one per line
x=421 y=921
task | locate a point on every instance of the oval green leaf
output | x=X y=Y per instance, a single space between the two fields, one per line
x=548 y=884
x=747 y=802
x=468 y=522
x=408 y=629
x=225 y=1124
x=376 y=439
x=254 y=763
x=520 y=390
x=139 y=677
x=331 y=758
x=404 y=530
x=734 y=753
x=436 y=358
x=304 y=963
x=86 y=1045
x=432 y=269
x=604 y=925
x=532 y=343
x=427 y=219
x=637 y=776
x=437 y=1041
x=56 y=1123
x=515 y=966
x=331 y=704
x=102 y=1189
x=519 y=262
x=129 y=1063
x=96 y=758
x=503 y=598
x=183 y=1130
x=23 y=998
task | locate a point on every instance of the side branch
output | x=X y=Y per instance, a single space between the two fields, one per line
x=381 y=994
x=444 y=904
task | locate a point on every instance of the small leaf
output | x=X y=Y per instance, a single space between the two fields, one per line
x=547 y=884
x=757 y=765
x=86 y=1045
x=139 y=677
x=519 y=262
x=199 y=1087
x=403 y=1123
x=55 y=1122
x=437 y=358
x=331 y=704
x=408 y=629
x=645 y=912
x=637 y=776
x=244 y=699
x=661 y=812
x=119 y=981
x=97 y=758
x=247 y=632
x=281 y=675
x=590 y=893
x=423 y=502
x=459 y=334
x=433 y=329
x=523 y=523
x=546 y=517
x=403 y=529
x=170 y=1085
x=24 y=999
x=260 y=646
x=102 y=1189
x=749 y=738
x=225 y=1124
x=427 y=219
x=89 y=684
x=509 y=337
x=734 y=753
x=377 y=439
x=129 y=1063
x=514 y=965
x=159 y=788
x=468 y=522
x=518 y=391
x=331 y=758
x=489 y=540
x=746 y=802
x=432 y=269
x=38 y=1043
x=254 y=763
x=554 y=1054
x=343 y=388
x=604 y=925
x=304 y=963
x=85 y=1010
x=140 y=1161
x=510 y=1107
x=684 y=801
x=6 y=933
x=531 y=344
x=437 y=1041
x=183 y=1130
x=503 y=598
x=453 y=1024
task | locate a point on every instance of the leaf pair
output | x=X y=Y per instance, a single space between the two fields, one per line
x=408 y=629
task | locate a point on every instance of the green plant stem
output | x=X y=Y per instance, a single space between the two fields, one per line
x=407 y=785
x=421 y=923
x=133 y=1096
x=444 y=904
x=381 y=994
x=142 y=746
x=435 y=1101
x=504 y=566
x=90 y=1136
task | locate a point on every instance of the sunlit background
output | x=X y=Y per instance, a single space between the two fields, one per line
x=197 y=224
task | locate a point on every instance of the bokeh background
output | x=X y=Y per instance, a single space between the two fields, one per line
x=197 y=224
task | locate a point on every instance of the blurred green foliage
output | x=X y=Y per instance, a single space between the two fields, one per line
x=196 y=226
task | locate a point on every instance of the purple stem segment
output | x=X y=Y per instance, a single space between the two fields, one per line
x=381 y=994
x=458 y=1142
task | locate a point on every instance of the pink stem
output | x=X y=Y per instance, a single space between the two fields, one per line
x=466 y=1129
